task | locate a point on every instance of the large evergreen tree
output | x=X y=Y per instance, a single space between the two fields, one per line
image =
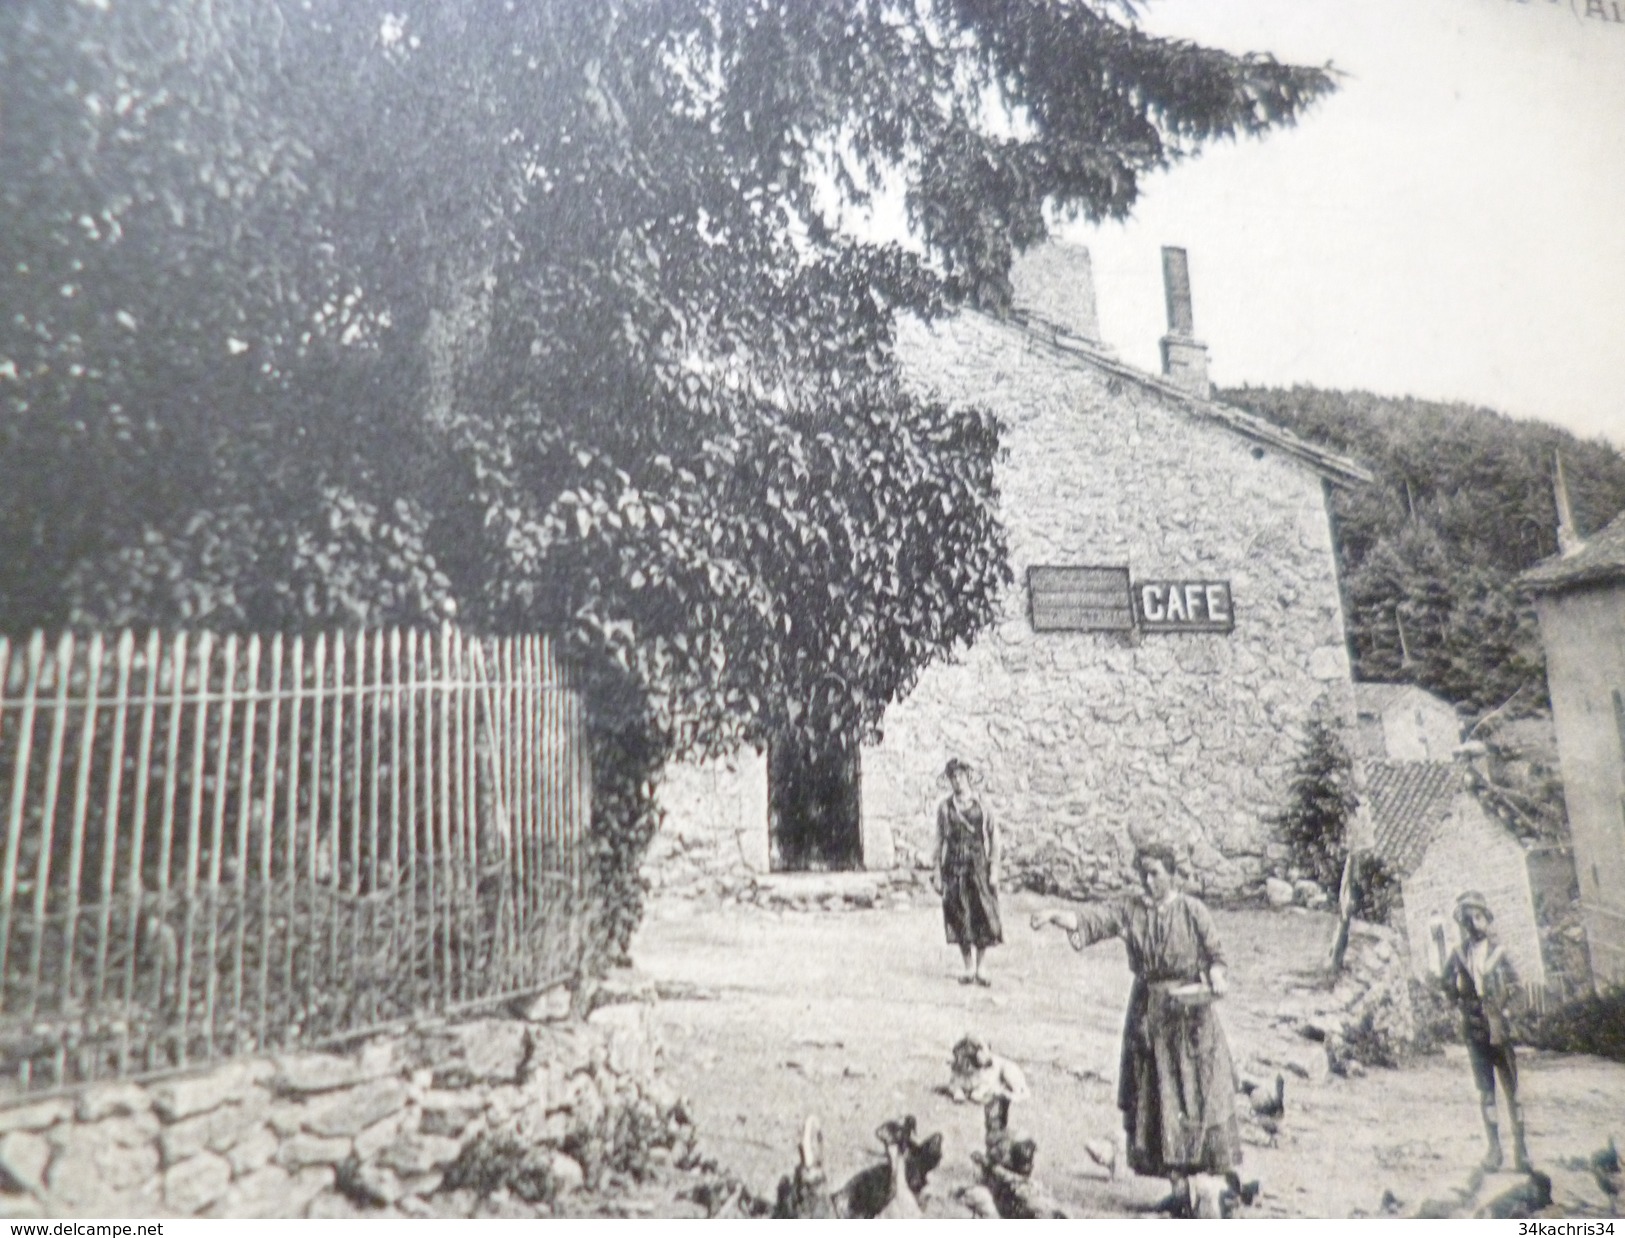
x=334 y=310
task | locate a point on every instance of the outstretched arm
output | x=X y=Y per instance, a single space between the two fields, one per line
x=1085 y=925
x=1057 y=919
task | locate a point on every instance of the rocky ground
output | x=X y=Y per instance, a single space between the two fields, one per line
x=772 y=1011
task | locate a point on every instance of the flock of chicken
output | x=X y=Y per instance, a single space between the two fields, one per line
x=892 y=1190
x=1006 y=1187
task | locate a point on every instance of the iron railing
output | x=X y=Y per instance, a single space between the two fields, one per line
x=217 y=845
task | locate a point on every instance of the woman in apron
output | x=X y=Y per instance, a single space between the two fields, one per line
x=1175 y=1084
x=967 y=873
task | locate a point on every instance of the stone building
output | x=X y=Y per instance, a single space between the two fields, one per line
x=1435 y=836
x=1401 y=722
x=1580 y=598
x=1176 y=617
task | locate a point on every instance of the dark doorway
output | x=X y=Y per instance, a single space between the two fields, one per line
x=813 y=807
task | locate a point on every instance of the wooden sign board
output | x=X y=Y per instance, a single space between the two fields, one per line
x=1184 y=606
x=1080 y=599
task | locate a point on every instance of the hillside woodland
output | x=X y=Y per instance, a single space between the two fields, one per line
x=1429 y=554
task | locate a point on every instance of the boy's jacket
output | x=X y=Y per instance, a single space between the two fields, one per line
x=1486 y=1007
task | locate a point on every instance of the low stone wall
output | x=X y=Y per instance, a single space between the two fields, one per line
x=693 y=857
x=379 y=1132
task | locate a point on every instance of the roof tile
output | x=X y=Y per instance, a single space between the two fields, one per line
x=1408 y=801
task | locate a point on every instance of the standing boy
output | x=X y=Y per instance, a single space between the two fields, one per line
x=1480 y=979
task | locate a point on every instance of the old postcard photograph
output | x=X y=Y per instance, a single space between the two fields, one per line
x=751 y=609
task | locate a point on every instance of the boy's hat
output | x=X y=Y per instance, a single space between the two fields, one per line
x=1472 y=898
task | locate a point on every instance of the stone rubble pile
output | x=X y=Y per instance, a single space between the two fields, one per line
x=392 y=1130
x=1363 y=1019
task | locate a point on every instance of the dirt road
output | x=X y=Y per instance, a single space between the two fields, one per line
x=767 y=1017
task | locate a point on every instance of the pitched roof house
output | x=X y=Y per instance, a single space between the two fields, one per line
x=1434 y=835
x=1403 y=722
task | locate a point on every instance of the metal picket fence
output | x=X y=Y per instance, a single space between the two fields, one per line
x=216 y=845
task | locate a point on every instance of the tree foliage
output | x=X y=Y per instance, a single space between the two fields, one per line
x=1429 y=555
x=336 y=310
x=1320 y=804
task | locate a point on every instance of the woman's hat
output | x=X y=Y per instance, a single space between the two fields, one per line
x=956 y=766
x=1471 y=899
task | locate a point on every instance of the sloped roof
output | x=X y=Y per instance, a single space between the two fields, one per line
x=1408 y=801
x=1378 y=698
x=1601 y=559
x=1336 y=468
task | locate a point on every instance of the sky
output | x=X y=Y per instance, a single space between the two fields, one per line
x=1449 y=225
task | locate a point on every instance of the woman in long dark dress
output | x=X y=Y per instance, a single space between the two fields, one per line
x=1176 y=1084
x=967 y=873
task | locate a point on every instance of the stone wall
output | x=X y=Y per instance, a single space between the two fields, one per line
x=1090 y=742
x=713 y=840
x=372 y=1133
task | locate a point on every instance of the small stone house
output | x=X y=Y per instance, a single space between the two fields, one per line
x=1436 y=838
x=1580 y=599
x=1176 y=619
x=1402 y=722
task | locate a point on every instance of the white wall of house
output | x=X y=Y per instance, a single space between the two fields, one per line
x=1418 y=726
x=1472 y=852
x=1584 y=634
x=1091 y=741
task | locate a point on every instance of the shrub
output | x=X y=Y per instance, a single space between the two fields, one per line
x=1320 y=804
x=1376 y=892
x=489 y=1163
x=1436 y=1019
x=1593 y=1024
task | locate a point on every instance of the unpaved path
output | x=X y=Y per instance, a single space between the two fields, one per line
x=767 y=1017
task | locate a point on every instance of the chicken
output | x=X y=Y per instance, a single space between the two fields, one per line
x=1246 y=1193
x=979 y=1074
x=1020 y=1197
x=867 y=1191
x=1606 y=1168
x=1268 y=1108
x=1007 y=1168
x=1529 y=1198
x=1107 y=1153
x=1270 y=1104
x=901 y=1203
x=805 y=1194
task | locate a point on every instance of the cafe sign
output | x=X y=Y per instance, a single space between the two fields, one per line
x=1080 y=599
x=1183 y=606
x=1103 y=599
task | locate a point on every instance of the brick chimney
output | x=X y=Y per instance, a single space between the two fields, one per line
x=1184 y=358
x=1054 y=283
